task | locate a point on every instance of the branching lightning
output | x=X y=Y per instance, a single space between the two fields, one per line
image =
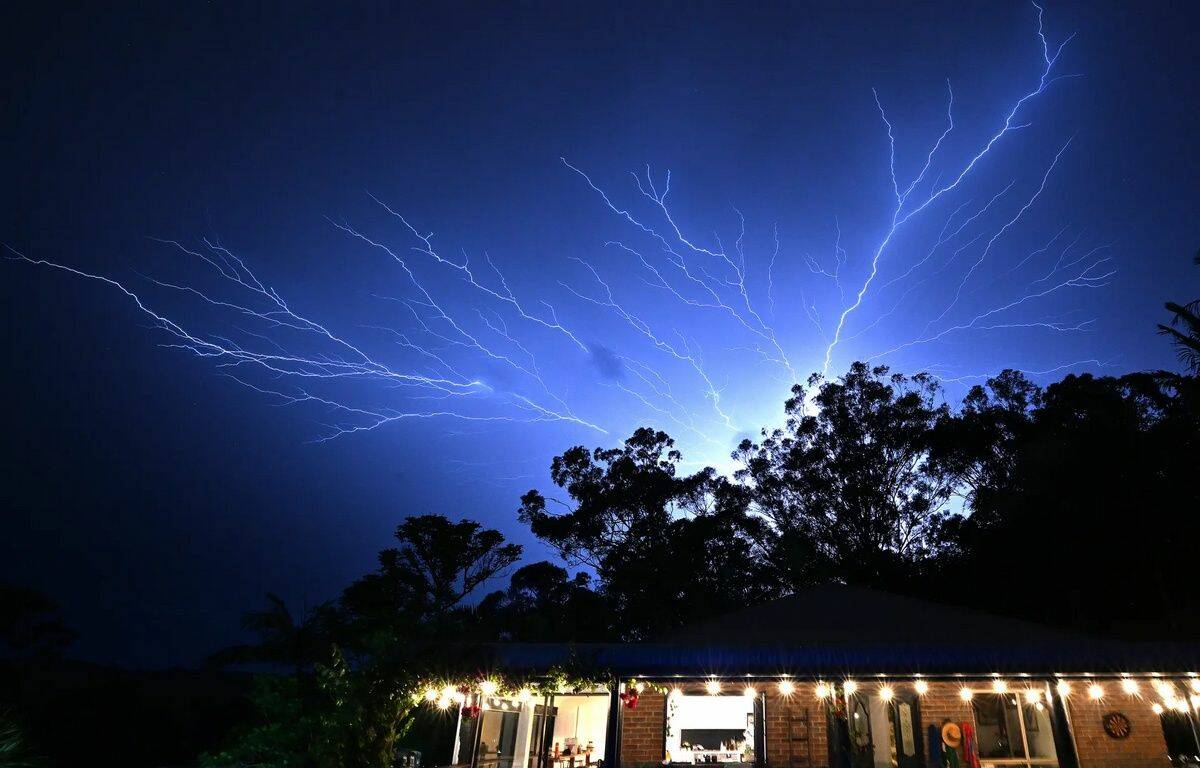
x=690 y=320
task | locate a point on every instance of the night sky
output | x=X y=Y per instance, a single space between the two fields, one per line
x=156 y=498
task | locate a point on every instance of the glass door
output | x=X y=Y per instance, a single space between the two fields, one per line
x=497 y=739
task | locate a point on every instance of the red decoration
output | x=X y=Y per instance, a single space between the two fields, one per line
x=630 y=699
x=471 y=712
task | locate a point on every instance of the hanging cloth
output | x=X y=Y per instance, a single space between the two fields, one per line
x=934 y=739
x=970 y=748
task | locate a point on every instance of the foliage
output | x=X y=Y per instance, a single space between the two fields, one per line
x=847 y=484
x=664 y=547
x=1184 y=330
x=1090 y=472
x=357 y=662
x=281 y=735
x=14 y=751
x=29 y=622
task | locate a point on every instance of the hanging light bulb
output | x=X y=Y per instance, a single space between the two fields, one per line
x=713 y=687
x=1129 y=685
x=921 y=687
x=1095 y=691
x=524 y=695
x=850 y=687
x=822 y=690
x=749 y=692
x=999 y=686
x=431 y=694
x=966 y=694
x=1156 y=708
x=1063 y=688
x=886 y=693
x=676 y=693
x=1195 y=684
x=488 y=687
x=786 y=687
x=443 y=702
x=1033 y=696
x=1164 y=689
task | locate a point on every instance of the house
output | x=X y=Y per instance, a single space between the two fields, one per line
x=842 y=677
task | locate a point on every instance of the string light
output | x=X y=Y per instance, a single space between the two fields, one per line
x=1164 y=689
x=1130 y=686
x=639 y=687
x=713 y=687
x=443 y=703
x=1095 y=691
x=676 y=693
x=458 y=697
x=749 y=692
x=822 y=690
x=1195 y=684
x=1033 y=696
x=431 y=694
x=886 y=693
x=488 y=687
x=966 y=694
x=1195 y=699
x=1156 y=708
x=1063 y=688
x=786 y=687
x=921 y=687
x=524 y=695
x=999 y=686
x=849 y=687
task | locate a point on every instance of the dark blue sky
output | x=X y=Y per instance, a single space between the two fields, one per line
x=157 y=500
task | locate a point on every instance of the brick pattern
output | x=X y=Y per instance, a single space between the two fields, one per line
x=643 y=730
x=778 y=712
x=1145 y=747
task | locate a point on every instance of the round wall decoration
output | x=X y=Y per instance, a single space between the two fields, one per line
x=1116 y=725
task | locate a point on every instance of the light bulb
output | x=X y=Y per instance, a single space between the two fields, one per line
x=488 y=687
x=921 y=687
x=1129 y=686
x=713 y=687
x=1095 y=691
x=1033 y=696
x=786 y=687
x=886 y=693
x=966 y=694
x=822 y=691
x=849 y=687
x=749 y=692
x=1063 y=688
x=999 y=686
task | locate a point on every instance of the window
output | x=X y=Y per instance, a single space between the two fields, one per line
x=710 y=729
x=1013 y=731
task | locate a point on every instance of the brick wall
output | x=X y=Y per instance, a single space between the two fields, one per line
x=643 y=728
x=779 y=711
x=643 y=740
x=1145 y=746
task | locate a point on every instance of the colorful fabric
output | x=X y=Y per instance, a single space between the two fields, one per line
x=970 y=748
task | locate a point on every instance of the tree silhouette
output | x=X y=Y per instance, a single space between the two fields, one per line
x=1184 y=330
x=847 y=484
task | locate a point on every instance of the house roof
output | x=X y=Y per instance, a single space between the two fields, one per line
x=839 y=629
